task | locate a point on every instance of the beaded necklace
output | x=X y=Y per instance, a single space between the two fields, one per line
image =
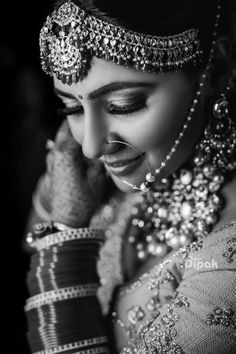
x=185 y=206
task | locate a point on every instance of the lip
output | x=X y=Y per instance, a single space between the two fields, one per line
x=126 y=166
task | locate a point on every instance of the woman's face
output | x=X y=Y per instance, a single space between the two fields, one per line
x=144 y=110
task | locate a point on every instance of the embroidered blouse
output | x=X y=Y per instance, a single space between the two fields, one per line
x=185 y=304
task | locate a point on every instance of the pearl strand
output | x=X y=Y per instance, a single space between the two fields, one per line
x=150 y=177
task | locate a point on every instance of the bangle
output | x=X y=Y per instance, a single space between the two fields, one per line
x=61 y=294
x=49 y=234
x=42 y=229
x=78 y=345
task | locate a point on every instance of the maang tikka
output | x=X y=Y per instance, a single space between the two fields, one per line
x=70 y=38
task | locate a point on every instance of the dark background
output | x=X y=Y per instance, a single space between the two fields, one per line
x=27 y=119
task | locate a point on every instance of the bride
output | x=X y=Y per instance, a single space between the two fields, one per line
x=134 y=221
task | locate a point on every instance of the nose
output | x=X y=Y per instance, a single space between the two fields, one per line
x=94 y=135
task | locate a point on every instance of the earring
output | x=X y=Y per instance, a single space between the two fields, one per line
x=221 y=107
x=219 y=143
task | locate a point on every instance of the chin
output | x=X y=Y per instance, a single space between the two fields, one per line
x=135 y=177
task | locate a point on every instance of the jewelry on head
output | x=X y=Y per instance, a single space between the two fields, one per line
x=71 y=37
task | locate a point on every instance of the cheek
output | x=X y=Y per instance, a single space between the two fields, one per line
x=161 y=123
x=76 y=128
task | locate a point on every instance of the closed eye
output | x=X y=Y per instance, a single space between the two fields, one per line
x=68 y=111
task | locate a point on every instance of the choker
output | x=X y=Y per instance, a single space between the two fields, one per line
x=185 y=206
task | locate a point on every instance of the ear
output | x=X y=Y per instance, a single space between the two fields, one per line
x=222 y=65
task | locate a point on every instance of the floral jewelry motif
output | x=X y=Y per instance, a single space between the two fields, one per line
x=135 y=323
x=160 y=339
x=184 y=207
x=179 y=300
x=183 y=252
x=70 y=37
x=153 y=306
x=154 y=278
x=135 y=315
x=231 y=250
x=225 y=317
x=153 y=338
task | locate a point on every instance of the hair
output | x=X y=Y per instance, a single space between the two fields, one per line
x=169 y=17
x=160 y=18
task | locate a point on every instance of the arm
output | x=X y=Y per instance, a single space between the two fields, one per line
x=63 y=311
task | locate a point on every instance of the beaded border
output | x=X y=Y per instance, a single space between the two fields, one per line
x=76 y=345
x=67 y=52
x=67 y=235
x=71 y=292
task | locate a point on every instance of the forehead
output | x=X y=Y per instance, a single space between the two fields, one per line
x=103 y=73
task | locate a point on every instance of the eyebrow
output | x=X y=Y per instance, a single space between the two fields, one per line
x=109 y=88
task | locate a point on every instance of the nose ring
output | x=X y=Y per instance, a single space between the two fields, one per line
x=150 y=180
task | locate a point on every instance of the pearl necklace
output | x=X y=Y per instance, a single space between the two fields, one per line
x=185 y=206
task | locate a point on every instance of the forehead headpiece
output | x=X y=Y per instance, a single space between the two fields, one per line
x=71 y=37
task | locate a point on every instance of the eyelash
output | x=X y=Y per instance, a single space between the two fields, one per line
x=112 y=109
x=68 y=111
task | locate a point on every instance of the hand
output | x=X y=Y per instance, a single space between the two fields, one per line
x=76 y=183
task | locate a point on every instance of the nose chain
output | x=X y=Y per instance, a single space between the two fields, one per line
x=185 y=206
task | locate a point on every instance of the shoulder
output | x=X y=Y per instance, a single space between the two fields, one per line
x=216 y=251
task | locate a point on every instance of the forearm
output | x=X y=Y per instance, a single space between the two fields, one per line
x=63 y=311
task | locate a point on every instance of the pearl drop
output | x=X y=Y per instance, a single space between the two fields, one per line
x=169 y=233
x=161 y=249
x=186 y=177
x=141 y=255
x=208 y=170
x=185 y=239
x=218 y=178
x=211 y=219
x=186 y=210
x=150 y=177
x=135 y=222
x=143 y=187
x=201 y=225
x=149 y=238
x=174 y=242
x=131 y=239
x=162 y=213
x=141 y=224
x=151 y=247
